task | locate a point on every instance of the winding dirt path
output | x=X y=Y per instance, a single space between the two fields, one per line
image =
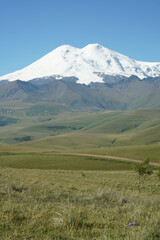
x=110 y=157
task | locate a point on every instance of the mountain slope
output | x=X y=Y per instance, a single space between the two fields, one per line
x=127 y=94
x=89 y=64
x=18 y=90
x=71 y=94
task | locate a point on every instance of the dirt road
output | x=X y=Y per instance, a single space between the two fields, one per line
x=110 y=157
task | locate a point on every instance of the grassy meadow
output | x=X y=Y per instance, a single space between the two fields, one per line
x=47 y=192
x=69 y=204
x=58 y=161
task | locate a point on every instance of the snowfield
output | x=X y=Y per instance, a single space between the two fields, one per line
x=88 y=64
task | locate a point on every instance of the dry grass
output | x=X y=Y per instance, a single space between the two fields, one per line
x=57 y=204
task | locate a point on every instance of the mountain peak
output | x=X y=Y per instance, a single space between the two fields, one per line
x=64 y=47
x=94 y=45
x=89 y=64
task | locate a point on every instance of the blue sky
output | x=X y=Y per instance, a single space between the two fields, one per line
x=29 y=29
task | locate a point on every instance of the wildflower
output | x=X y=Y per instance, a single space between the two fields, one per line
x=131 y=224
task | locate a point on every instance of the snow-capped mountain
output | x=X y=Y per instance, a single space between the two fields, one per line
x=88 y=64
